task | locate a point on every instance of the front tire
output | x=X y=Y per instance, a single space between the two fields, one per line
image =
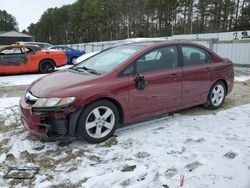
x=46 y=66
x=98 y=121
x=216 y=96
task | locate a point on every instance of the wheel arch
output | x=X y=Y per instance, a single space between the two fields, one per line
x=116 y=103
x=75 y=117
x=208 y=103
x=52 y=60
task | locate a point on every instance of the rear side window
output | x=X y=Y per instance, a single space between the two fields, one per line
x=195 y=56
x=11 y=51
x=158 y=59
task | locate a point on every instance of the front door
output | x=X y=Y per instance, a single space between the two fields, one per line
x=163 y=83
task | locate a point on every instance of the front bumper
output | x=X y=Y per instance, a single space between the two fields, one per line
x=60 y=122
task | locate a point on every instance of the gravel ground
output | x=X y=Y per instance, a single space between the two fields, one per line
x=12 y=91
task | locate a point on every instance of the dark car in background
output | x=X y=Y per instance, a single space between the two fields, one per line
x=71 y=53
x=125 y=84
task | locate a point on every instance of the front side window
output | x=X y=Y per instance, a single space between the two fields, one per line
x=158 y=59
x=46 y=45
x=107 y=60
x=27 y=50
x=195 y=56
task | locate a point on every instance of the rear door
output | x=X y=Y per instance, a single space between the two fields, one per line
x=163 y=83
x=33 y=60
x=197 y=64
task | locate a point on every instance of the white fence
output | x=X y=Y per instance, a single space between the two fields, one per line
x=237 y=50
x=235 y=35
x=92 y=47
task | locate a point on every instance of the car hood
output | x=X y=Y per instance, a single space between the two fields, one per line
x=62 y=84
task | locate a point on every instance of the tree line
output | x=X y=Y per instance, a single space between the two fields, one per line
x=7 y=21
x=104 y=20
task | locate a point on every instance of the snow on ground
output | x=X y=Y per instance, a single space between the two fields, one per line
x=24 y=79
x=241 y=78
x=19 y=79
x=8 y=108
x=209 y=150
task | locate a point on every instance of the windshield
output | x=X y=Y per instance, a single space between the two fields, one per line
x=107 y=60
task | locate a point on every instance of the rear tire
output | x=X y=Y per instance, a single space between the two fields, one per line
x=216 y=96
x=98 y=121
x=46 y=66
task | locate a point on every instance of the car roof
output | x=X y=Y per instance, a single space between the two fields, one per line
x=33 y=47
x=153 y=44
x=27 y=42
x=60 y=46
x=160 y=42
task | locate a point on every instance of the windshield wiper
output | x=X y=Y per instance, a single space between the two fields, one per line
x=77 y=69
x=92 y=71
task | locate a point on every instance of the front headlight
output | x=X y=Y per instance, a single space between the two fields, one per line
x=53 y=102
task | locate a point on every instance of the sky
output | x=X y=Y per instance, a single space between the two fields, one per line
x=29 y=11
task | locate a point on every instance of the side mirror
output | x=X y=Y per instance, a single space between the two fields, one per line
x=140 y=82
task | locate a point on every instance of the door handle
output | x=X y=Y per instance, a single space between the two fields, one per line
x=174 y=75
x=207 y=69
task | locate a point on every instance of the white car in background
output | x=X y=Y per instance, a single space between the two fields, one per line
x=43 y=45
x=85 y=56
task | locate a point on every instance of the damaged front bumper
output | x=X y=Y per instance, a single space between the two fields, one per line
x=50 y=122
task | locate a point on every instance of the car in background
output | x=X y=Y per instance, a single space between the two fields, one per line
x=124 y=84
x=43 y=45
x=16 y=59
x=71 y=53
x=85 y=56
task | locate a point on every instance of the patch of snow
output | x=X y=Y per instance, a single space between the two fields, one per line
x=241 y=78
x=17 y=80
x=209 y=150
x=8 y=110
x=26 y=79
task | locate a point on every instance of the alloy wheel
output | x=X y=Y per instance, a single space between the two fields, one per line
x=100 y=122
x=217 y=95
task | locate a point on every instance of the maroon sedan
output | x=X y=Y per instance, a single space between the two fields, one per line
x=125 y=84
